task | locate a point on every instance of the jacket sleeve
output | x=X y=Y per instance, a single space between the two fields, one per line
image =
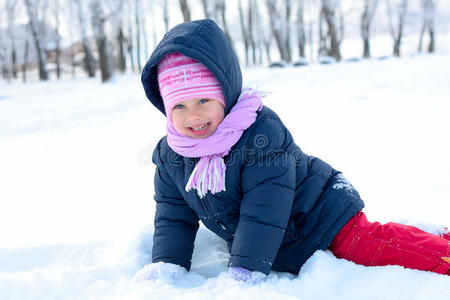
x=268 y=182
x=176 y=224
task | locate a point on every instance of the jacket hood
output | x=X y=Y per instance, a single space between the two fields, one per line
x=204 y=41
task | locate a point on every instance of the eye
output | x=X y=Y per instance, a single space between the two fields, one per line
x=201 y=101
x=178 y=106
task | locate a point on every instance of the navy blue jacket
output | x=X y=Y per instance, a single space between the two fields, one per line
x=280 y=204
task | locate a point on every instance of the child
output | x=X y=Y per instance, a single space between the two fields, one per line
x=229 y=161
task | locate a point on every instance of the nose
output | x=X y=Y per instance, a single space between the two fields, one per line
x=193 y=116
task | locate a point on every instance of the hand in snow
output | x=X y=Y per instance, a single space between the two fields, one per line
x=160 y=270
x=248 y=276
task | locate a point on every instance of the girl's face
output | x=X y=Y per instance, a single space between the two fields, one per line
x=197 y=118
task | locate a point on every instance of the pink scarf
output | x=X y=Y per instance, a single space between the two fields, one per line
x=209 y=172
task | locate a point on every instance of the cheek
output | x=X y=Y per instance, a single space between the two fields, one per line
x=177 y=121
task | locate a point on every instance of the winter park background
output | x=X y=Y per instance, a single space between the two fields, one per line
x=76 y=177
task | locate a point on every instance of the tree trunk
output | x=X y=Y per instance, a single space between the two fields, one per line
x=251 y=36
x=14 y=62
x=244 y=32
x=104 y=51
x=322 y=37
x=287 y=31
x=25 y=61
x=37 y=37
x=185 y=10
x=221 y=12
x=206 y=11
x=397 y=32
x=365 y=29
x=105 y=58
x=138 y=33
x=57 y=39
x=277 y=30
x=422 y=33
x=122 y=62
x=165 y=15
x=301 y=39
x=431 y=17
x=89 y=62
x=329 y=15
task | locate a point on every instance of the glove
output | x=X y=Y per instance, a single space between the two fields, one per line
x=160 y=270
x=248 y=276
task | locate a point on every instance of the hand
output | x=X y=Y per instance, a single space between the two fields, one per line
x=160 y=270
x=248 y=276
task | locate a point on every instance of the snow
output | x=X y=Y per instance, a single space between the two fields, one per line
x=76 y=181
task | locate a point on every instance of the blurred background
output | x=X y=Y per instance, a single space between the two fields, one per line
x=53 y=39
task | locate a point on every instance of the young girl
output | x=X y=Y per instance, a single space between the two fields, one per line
x=229 y=162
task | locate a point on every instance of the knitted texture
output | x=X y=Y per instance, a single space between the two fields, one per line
x=183 y=78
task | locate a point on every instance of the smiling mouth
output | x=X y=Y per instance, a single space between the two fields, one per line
x=200 y=130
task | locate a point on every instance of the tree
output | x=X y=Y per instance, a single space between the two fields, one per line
x=12 y=10
x=165 y=15
x=137 y=18
x=429 y=9
x=98 y=20
x=56 y=11
x=328 y=14
x=36 y=10
x=89 y=62
x=185 y=10
x=300 y=24
x=209 y=10
x=369 y=9
x=221 y=15
x=397 y=32
x=280 y=27
x=244 y=32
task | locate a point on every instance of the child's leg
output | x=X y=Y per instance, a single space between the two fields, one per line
x=375 y=244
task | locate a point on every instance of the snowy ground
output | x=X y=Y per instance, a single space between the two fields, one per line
x=76 y=181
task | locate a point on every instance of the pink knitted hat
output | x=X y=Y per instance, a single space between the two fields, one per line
x=182 y=78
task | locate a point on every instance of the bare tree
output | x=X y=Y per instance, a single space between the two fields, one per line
x=56 y=11
x=287 y=29
x=264 y=38
x=12 y=10
x=25 y=60
x=129 y=25
x=165 y=14
x=185 y=10
x=301 y=36
x=98 y=20
x=222 y=20
x=36 y=14
x=245 y=35
x=397 y=32
x=370 y=6
x=328 y=14
x=89 y=62
x=210 y=9
x=137 y=18
x=117 y=20
x=71 y=22
x=278 y=30
x=429 y=9
x=251 y=34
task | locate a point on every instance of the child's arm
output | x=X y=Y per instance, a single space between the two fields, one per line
x=268 y=183
x=176 y=224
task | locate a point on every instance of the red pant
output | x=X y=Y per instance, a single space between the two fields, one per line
x=374 y=244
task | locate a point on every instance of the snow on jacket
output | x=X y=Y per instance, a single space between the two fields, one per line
x=280 y=204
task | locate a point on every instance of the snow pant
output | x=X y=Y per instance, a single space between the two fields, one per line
x=375 y=244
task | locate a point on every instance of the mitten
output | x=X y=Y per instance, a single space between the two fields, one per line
x=160 y=270
x=248 y=276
